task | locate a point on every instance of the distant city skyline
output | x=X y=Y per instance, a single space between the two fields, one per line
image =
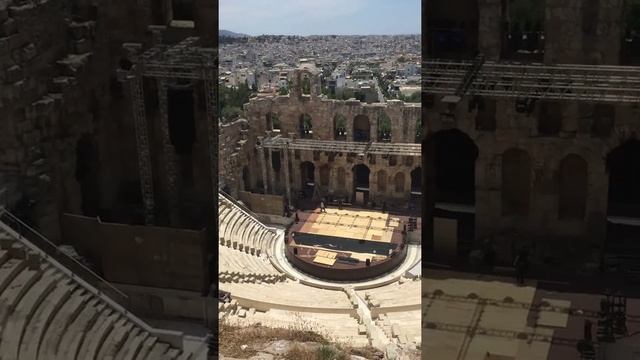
x=320 y=17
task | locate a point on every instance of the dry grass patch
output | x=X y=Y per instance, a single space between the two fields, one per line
x=233 y=337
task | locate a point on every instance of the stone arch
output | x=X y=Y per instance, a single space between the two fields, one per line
x=382 y=181
x=306 y=126
x=516 y=182
x=454 y=164
x=273 y=122
x=572 y=187
x=339 y=127
x=307 y=173
x=452 y=30
x=384 y=127
x=325 y=173
x=398 y=182
x=361 y=128
x=624 y=176
x=361 y=175
x=305 y=83
x=416 y=180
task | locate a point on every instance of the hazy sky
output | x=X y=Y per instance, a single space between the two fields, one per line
x=320 y=17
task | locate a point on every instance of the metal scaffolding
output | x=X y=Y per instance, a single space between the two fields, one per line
x=184 y=60
x=362 y=148
x=595 y=83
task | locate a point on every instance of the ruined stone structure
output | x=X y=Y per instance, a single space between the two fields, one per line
x=342 y=147
x=68 y=135
x=73 y=85
x=542 y=151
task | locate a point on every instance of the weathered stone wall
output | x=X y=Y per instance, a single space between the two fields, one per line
x=57 y=84
x=520 y=131
x=489 y=28
x=404 y=120
x=576 y=32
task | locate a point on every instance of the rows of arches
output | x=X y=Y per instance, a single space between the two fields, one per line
x=361 y=130
x=454 y=161
x=361 y=175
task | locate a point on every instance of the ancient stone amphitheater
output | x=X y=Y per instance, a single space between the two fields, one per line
x=264 y=288
x=48 y=312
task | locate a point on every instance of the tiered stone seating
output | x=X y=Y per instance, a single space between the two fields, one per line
x=46 y=315
x=239 y=266
x=338 y=327
x=288 y=295
x=243 y=232
x=405 y=326
x=397 y=294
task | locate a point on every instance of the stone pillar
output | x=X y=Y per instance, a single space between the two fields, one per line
x=272 y=177
x=142 y=146
x=262 y=164
x=489 y=31
x=168 y=152
x=285 y=163
x=373 y=129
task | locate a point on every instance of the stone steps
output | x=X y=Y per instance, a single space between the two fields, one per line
x=46 y=315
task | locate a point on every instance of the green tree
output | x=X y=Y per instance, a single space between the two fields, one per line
x=231 y=101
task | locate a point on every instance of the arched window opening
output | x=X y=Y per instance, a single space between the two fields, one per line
x=306 y=127
x=361 y=128
x=384 y=128
x=339 y=127
x=306 y=84
x=523 y=33
x=273 y=122
x=361 y=176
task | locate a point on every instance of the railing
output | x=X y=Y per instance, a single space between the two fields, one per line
x=83 y=276
x=244 y=209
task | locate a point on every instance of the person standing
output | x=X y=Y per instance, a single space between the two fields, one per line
x=521 y=264
x=322 y=207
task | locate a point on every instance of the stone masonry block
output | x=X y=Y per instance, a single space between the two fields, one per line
x=21 y=11
x=29 y=52
x=8 y=27
x=13 y=74
x=4 y=46
x=17 y=40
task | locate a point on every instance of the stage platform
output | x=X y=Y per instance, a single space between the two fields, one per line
x=347 y=244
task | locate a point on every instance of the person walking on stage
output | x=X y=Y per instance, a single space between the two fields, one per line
x=521 y=264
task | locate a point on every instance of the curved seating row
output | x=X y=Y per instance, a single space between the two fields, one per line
x=232 y=260
x=45 y=315
x=289 y=295
x=243 y=232
x=399 y=293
